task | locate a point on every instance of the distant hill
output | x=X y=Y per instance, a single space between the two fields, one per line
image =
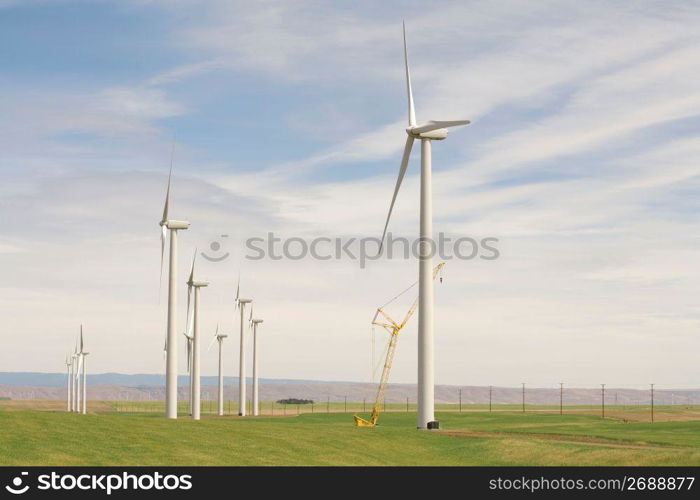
x=34 y=379
x=144 y=387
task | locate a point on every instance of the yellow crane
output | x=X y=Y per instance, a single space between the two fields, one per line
x=382 y=319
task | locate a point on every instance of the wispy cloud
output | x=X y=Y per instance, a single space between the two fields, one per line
x=581 y=159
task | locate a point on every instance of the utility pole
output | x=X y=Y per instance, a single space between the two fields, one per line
x=406 y=405
x=561 y=398
x=602 y=399
x=328 y=405
x=460 y=400
x=490 y=391
x=523 y=397
x=652 y=403
x=346 y=404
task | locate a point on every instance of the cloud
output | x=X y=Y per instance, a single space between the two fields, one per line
x=144 y=104
x=581 y=159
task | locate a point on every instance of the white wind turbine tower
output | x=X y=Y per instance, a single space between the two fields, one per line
x=69 y=395
x=189 y=339
x=73 y=366
x=196 y=369
x=240 y=304
x=76 y=378
x=189 y=335
x=255 y=322
x=171 y=339
x=219 y=337
x=426 y=132
x=83 y=360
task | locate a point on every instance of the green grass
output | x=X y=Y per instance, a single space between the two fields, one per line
x=474 y=438
x=267 y=407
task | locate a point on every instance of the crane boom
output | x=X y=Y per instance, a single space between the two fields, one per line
x=382 y=319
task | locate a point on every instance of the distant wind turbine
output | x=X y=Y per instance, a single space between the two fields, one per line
x=240 y=304
x=69 y=395
x=76 y=378
x=73 y=366
x=196 y=370
x=429 y=131
x=189 y=335
x=188 y=339
x=219 y=337
x=83 y=357
x=255 y=322
x=171 y=339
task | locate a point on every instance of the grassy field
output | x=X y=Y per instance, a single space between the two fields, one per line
x=632 y=413
x=473 y=437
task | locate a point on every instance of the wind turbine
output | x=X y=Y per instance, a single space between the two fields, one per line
x=189 y=339
x=196 y=394
x=240 y=304
x=69 y=369
x=429 y=131
x=73 y=366
x=219 y=337
x=188 y=332
x=83 y=354
x=76 y=378
x=171 y=339
x=255 y=322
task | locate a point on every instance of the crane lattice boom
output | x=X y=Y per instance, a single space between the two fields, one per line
x=382 y=319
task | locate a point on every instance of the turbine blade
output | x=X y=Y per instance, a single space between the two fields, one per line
x=238 y=290
x=163 y=234
x=399 y=179
x=411 y=107
x=431 y=125
x=166 y=205
x=190 y=317
x=194 y=257
x=190 y=313
x=216 y=335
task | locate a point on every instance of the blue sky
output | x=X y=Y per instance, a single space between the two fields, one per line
x=288 y=116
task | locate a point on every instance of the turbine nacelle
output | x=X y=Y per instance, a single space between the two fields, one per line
x=433 y=135
x=434 y=129
x=256 y=321
x=175 y=224
x=198 y=284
